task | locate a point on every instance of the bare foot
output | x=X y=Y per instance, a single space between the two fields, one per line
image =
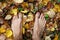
x=38 y=26
x=16 y=26
x=42 y=23
x=2 y=37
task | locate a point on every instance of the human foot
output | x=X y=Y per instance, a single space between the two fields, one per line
x=2 y=37
x=38 y=26
x=42 y=23
x=16 y=26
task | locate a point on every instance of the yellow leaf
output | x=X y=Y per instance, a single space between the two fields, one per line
x=14 y=11
x=45 y=2
x=52 y=29
x=18 y=1
x=56 y=6
x=27 y=26
x=24 y=4
x=58 y=9
x=56 y=37
x=8 y=17
x=8 y=33
x=2 y=30
x=23 y=30
x=25 y=11
x=55 y=9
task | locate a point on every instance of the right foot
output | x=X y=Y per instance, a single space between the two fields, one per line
x=2 y=37
x=39 y=26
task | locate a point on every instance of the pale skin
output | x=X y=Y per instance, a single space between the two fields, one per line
x=16 y=26
x=39 y=24
x=2 y=37
x=38 y=28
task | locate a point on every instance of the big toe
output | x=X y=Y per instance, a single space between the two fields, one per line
x=14 y=17
x=37 y=15
x=20 y=15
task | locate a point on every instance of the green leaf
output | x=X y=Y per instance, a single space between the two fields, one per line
x=40 y=6
x=58 y=1
x=46 y=16
x=20 y=9
x=52 y=1
x=34 y=10
x=59 y=36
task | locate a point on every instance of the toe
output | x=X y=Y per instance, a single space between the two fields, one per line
x=44 y=20
x=20 y=15
x=2 y=37
x=41 y=16
x=14 y=17
x=37 y=15
x=36 y=21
